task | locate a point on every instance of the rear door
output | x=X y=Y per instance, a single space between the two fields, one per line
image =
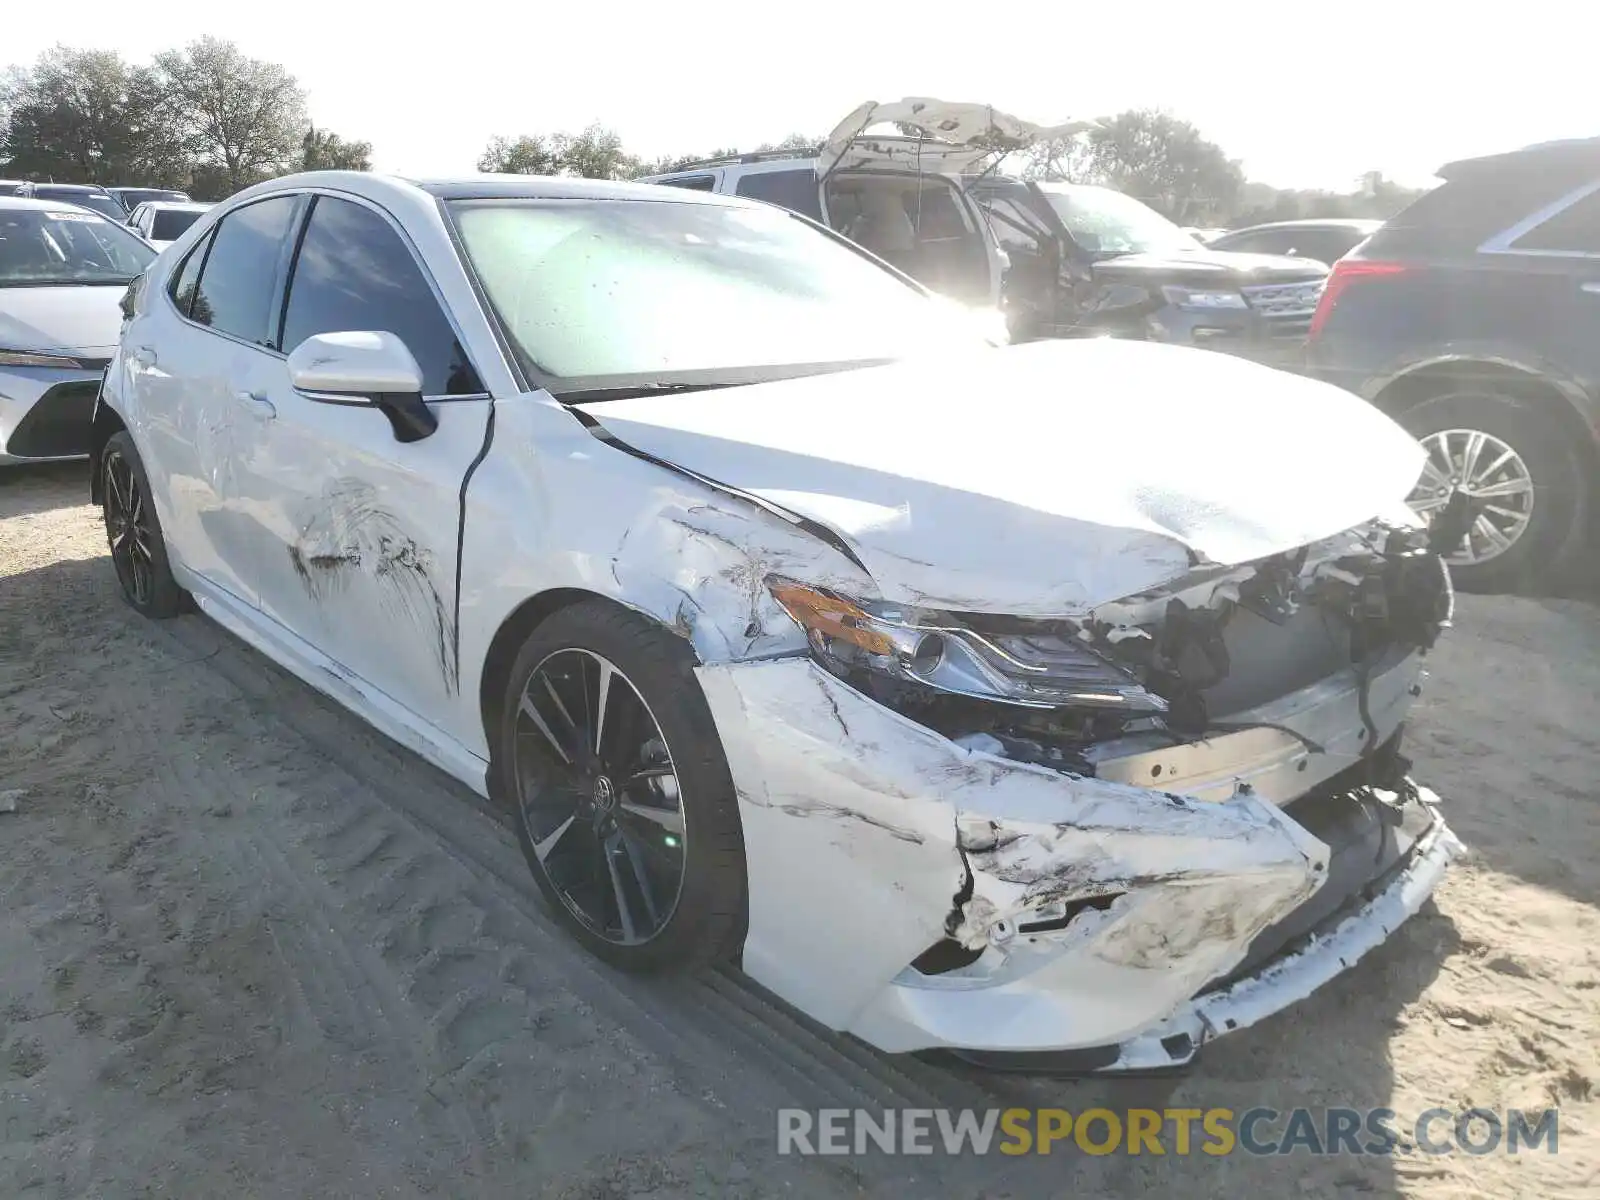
x=354 y=536
x=193 y=358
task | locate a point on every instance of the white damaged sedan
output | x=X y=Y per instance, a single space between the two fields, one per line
x=1040 y=703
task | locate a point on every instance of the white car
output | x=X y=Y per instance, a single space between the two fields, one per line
x=160 y=222
x=63 y=272
x=1010 y=700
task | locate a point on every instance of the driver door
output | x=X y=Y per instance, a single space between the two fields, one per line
x=355 y=533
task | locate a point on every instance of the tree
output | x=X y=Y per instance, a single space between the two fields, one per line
x=243 y=117
x=527 y=155
x=321 y=150
x=85 y=116
x=596 y=153
x=1150 y=155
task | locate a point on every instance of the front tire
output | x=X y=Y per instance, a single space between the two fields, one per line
x=610 y=763
x=133 y=530
x=1513 y=459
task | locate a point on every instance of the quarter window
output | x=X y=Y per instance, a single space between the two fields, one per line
x=1573 y=230
x=238 y=281
x=184 y=280
x=355 y=273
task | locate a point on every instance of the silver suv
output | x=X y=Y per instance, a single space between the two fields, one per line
x=898 y=196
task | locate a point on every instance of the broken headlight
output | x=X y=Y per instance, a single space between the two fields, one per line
x=1045 y=668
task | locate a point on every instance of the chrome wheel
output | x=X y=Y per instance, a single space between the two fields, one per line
x=598 y=795
x=128 y=529
x=1488 y=471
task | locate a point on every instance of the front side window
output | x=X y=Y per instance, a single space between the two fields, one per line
x=1574 y=230
x=1106 y=223
x=354 y=272
x=794 y=190
x=40 y=247
x=238 y=282
x=617 y=293
x=1016 y=231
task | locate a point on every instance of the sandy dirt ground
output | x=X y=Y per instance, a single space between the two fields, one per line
x=248 y=948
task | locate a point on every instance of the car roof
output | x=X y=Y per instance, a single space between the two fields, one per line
x=1570 y=152
x=488 y=187
x=44 y=206
x=175 y=205
x=88 y=189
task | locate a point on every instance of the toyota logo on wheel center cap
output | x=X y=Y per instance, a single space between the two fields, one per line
x=605 y=796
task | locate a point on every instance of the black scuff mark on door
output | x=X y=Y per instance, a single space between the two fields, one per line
x=352 y=534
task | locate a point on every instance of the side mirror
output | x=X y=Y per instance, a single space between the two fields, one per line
x=365 y=367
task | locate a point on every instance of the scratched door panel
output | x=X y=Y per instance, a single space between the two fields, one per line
x=358 y=538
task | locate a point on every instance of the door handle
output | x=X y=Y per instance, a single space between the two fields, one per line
x=144 y=356
x=259 y=406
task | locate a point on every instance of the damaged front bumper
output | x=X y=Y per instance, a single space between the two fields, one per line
x=922 y=895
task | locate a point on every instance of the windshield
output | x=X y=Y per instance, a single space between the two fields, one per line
x=40 y=247
x=101 y=203
x=1105 y=222
x=169 y=223
x=611 y=293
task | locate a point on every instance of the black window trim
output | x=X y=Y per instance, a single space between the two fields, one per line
x=304 y=221
x=1505 y=241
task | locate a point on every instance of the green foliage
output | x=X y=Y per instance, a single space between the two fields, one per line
x=207 y=118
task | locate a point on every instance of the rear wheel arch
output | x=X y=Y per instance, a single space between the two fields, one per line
x=1532 y=389
x=106 y=423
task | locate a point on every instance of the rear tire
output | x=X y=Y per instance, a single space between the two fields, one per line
x=133 y=530
x=609 y=843
x=1538 y=495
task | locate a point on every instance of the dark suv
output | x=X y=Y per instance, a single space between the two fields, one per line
x=1089 y=260
x=1473 y=318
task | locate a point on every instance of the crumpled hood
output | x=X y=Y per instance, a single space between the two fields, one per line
x=1047 y=478
x=77 y=319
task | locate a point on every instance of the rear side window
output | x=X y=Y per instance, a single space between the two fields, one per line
x=168 y=224
x=1573 y=230
x=238 y=281
x=794 y=190
x=1464 y=213
x=187 y=275
x=693 y=183
x=354 y=272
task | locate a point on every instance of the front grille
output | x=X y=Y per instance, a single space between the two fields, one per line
x=1285 y=308
x=57 y=426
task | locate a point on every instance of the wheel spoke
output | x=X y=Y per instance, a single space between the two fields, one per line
x=1485 y=527
x=529 y=710
x=1431 y=474
x=543 y=847
x=573 y=727
x=635 y=856
x=618 y=892
x=602 y=695
x=1469 y=456
x=665 y=818
x=1517 y=486
x=1507 y=455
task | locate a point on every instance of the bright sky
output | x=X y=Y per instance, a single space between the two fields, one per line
x=1308 y=95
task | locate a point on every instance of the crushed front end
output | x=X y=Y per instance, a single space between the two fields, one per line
x=1089 y=843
